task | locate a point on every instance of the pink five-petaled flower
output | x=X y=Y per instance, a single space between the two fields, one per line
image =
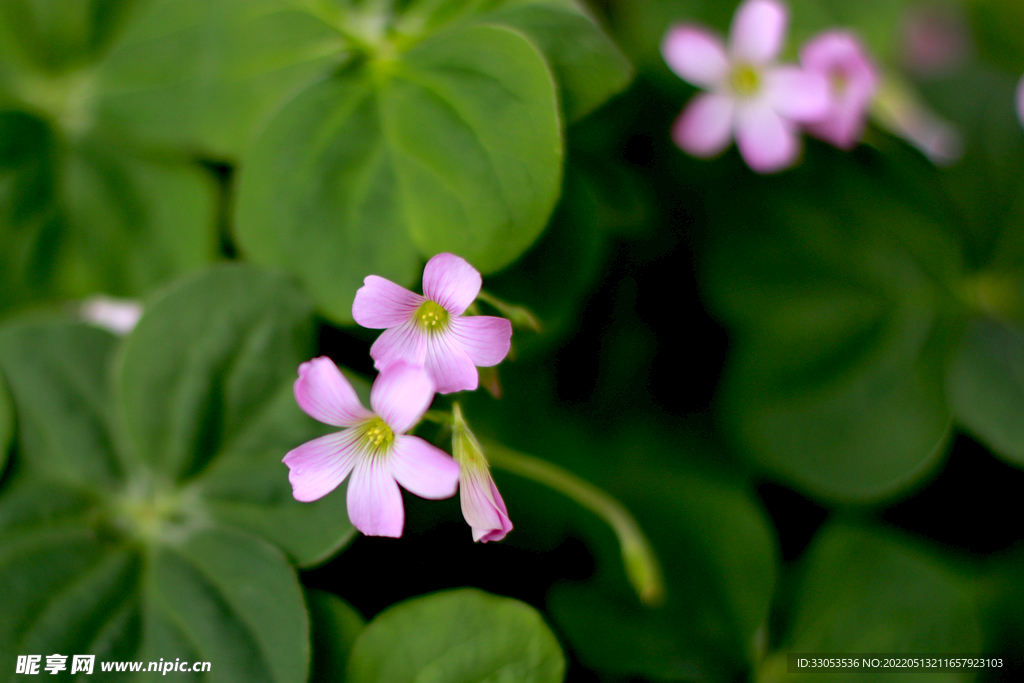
x=430 y=331
x=749 y=94
x=840 y=58
x=482 y=505
x=373 y=448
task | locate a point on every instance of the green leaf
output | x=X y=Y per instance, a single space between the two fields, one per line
x=132 y=224
x=6 y=422
x=718 y=554
x=87 y=217
x=247 y=487
x=454 y=147
x=840 y=299
x=57 y=36
x=154 y=544
x=458 y=636
x=866 y=591
x=206 y=76
x=206 y=382
x=207 y=361
x=220 y=596
x=62 y=398
x=985 y=385
x=588 y=66
x=336 y=626
x=232 y=600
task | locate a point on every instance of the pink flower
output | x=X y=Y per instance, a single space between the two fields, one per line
x=430 y=331
x=374 y=447
x=482 y=505
x=749 y=94
x=839 y=57
x=1020 y=101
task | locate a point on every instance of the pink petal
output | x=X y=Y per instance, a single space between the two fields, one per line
x=318 y=466
x=838 y=56
x=450 y=281
x=704 y=129
x=767 y=142
x=1020 y=101
x=695 y=55
x=380 y=303
x=758 y=31
x=325 y=395
x=796 y=94
x=483 y=507
x=485 y=339
x=423 y=469
x=405 y=343
x=449 y=365
x=401 y=394
x=374 y=501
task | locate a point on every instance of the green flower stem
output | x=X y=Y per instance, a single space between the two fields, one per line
x=642 y=567
x=441 y=417
x=519 y=315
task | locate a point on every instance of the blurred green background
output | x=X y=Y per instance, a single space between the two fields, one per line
x=808 y=388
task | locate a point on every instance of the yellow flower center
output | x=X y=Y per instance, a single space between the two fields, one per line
x=432 y=317
x=838 y=81
x=745 y=80
x=377 y=435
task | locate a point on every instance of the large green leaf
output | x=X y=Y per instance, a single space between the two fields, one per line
x=61 y=394
x=219 y=595
x=986 y=387
x=718 y=555
x=460 y=636
x=336 y=626
x=206 y=382
x=841 y=302
x=205 y=75
x=588 y=66
x=85 y=216
x=153 y=544
x=56 y=36
x=864 y=591
x=454 y=147
x=6 y=422
x=207 y=362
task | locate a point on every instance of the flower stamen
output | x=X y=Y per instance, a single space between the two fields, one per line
x=378 y=436
x=745 y=80
x=432 y=317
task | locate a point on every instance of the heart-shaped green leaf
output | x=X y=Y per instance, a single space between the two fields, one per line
x=985 y=385
x=85 y=216
x=336 y=626
x=840 y=297
x=153 y=544
x=864 y=591
x=218 y=595
x=453 y=146
x=61 y=393
x=6 y=422
x=460 y=636
x=717 y=552
x=205 y=76
x=588 y=66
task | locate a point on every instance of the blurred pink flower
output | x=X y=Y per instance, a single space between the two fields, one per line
x=374 y=447
x=936 y=39
x=749 y=94
x=1020 y=101
x=430 y=331
x=852 y=79
x=482 y=505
